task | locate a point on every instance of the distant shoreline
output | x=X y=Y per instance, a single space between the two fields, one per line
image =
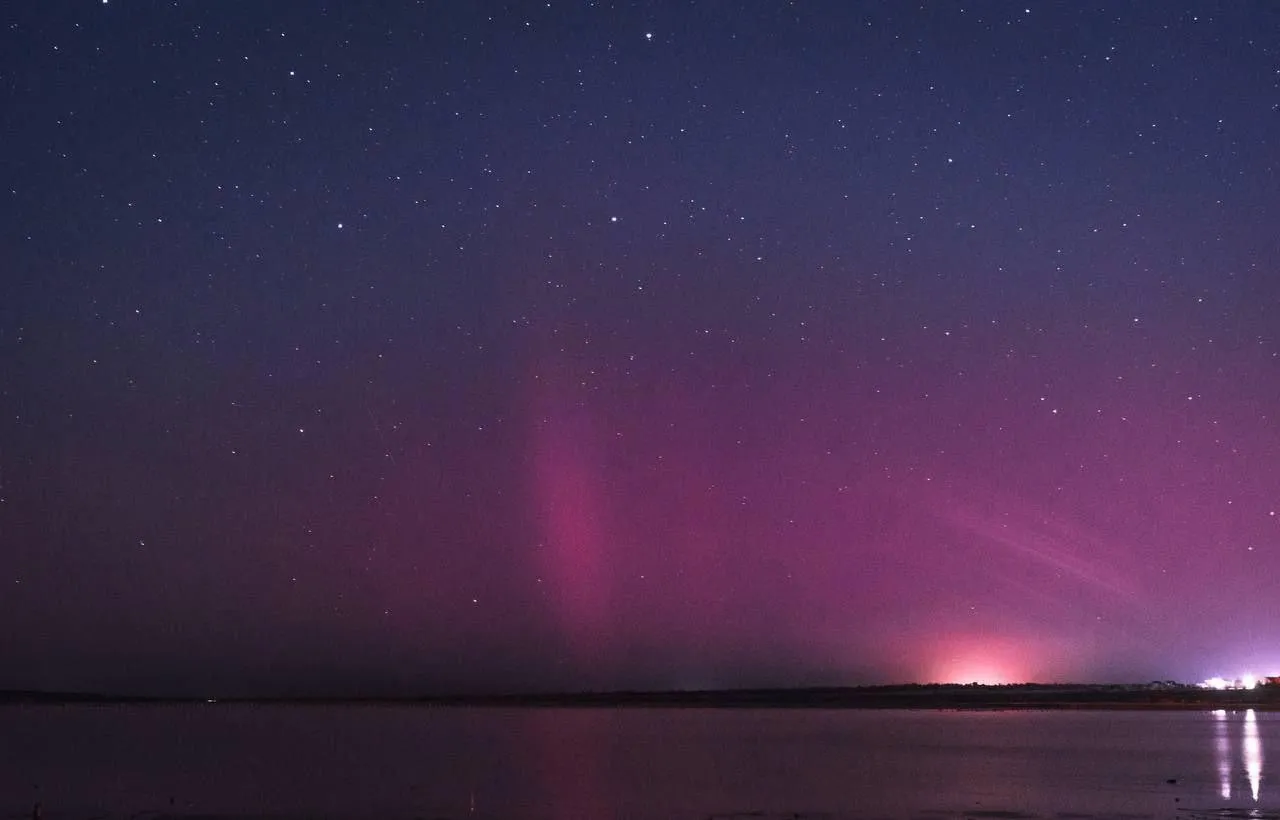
x=909 y=696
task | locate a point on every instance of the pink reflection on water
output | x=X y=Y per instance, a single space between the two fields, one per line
x=571 y=757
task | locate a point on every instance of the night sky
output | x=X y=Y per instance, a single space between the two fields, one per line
x=398 y=347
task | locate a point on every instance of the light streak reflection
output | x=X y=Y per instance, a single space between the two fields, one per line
x=1252 y=745
x=1224 y=751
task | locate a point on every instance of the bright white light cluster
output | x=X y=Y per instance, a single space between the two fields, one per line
x=1247 y=681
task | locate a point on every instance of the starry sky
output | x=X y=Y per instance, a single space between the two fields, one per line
x=443 y=347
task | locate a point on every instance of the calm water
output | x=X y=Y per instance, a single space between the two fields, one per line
x=386 y=762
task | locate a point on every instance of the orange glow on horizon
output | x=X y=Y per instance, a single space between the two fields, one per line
x=981 y=660
x=977 y=673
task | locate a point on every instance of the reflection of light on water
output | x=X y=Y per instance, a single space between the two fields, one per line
x=1252 y=752
x=1222 y=747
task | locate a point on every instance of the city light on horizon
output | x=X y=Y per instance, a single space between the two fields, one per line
x=1247 y=680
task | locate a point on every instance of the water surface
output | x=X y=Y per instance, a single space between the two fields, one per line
x=534 y=764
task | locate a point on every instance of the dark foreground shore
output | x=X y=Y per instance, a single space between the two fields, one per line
x=908 y=696
x=1241 y=813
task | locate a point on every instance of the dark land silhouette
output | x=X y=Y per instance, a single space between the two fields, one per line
x=1157 y=695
